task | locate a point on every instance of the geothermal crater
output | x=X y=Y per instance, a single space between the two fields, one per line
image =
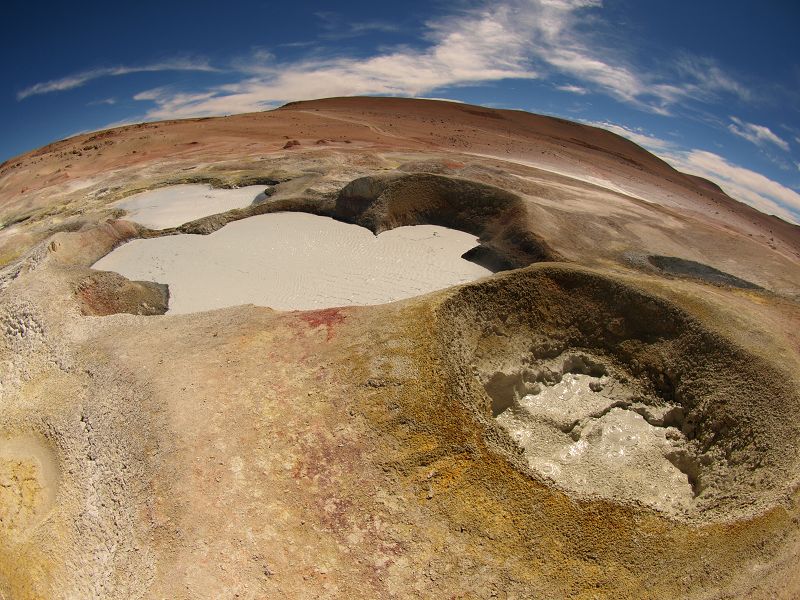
x=582 y=419
x=609 y=392
x=287 y=261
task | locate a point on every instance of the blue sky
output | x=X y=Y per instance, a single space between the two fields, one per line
x=713 y=87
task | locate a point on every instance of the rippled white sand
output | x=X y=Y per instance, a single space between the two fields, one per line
x=178 y=204
x=297 y=261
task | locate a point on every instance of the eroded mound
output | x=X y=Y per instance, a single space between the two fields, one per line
x=383 y=202
x=607 y=391
x=497 y=216
x=107 y=293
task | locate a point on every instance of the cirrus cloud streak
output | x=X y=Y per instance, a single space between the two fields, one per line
x=743 y=184
x=79 y=79
x=759 y=135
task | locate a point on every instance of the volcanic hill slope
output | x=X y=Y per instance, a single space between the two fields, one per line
x=370 y=451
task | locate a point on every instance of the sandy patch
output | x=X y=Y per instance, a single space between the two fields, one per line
x=178 y=204
x=297 y=261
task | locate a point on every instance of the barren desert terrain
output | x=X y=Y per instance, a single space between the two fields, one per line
x=603 y=406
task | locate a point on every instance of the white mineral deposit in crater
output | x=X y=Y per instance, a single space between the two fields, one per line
x=584 y=434
x=297 y=261
x=178 y=204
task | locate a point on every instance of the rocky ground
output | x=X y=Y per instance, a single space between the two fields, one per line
x=360 y=451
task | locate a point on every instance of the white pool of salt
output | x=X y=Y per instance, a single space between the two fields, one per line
x=178 y=204
x=297 y=261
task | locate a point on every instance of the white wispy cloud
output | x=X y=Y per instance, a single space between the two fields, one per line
x=338 y=27
x=558 y=42
x=477 y=46
x=738 y=182
x=573 y=89
x=79 y=79
x=565 y=37
x=516 y=39
x=756 y=134
x=708 y=77
x=743 y=184
x=108 y=101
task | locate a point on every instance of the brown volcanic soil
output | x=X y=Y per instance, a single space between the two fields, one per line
x=351 y=452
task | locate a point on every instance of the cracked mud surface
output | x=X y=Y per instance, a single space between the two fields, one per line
x=577 y=425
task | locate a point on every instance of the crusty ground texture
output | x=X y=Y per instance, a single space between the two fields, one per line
x=352 y=452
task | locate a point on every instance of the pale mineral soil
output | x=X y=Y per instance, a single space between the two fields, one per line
x=360 y=451
x=296 y=261
x=585 y=434
x=178 y=204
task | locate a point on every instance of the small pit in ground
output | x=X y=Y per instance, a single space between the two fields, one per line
x=606 y=391
x=28 y=483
